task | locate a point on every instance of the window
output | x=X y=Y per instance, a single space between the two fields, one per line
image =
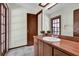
x=3 y=28
x=56 y=25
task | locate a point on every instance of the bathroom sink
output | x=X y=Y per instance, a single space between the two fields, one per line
x=51 y=39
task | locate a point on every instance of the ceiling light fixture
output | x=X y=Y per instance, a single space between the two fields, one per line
x=43 y=4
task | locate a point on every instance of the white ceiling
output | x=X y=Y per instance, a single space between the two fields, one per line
x=28 y=6
x=59 y=6
x=34 y=7
x=55 y=8
x=25 y=5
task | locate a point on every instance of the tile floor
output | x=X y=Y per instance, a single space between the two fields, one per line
x=23 y=51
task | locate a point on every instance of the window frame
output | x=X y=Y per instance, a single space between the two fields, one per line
x=4 y=15
x=54 y=18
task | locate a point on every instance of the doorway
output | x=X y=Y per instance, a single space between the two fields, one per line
x=32 y=28
x=76 y=23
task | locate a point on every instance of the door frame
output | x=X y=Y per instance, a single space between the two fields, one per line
x=74 y=22
x=36 y=22
x=5 y=5
x=36 y=26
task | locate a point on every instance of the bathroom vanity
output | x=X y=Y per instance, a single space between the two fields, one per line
x=48 y=47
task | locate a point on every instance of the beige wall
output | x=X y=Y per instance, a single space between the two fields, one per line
x=18 y=27
x=46 y=22
x=39 y=23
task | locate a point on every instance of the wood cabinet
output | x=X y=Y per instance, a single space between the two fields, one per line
x=47 y=50
x=36 y=46
x=42 y=48
x=65 y=47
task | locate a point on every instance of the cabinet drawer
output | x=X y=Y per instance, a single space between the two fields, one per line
x=59 y=53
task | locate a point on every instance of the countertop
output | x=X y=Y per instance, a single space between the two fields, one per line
x=67 y=46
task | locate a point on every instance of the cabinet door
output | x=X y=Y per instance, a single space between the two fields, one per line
x=40 y=48
x=59 y=53
x=47 y=50
x=36 y=41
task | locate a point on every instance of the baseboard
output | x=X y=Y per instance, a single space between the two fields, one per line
x=17 y=47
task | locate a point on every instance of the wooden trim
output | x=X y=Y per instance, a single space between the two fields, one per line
x=44 y=5
x=53 y=6
x=37 y=24
x=17 y=47
x=8 y=26
x=0 y=30
x=6 y=29
x=56 y=17
x=71 y=38
x=7 y=20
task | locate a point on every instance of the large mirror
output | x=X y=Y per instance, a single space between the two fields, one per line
x=69 y=19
